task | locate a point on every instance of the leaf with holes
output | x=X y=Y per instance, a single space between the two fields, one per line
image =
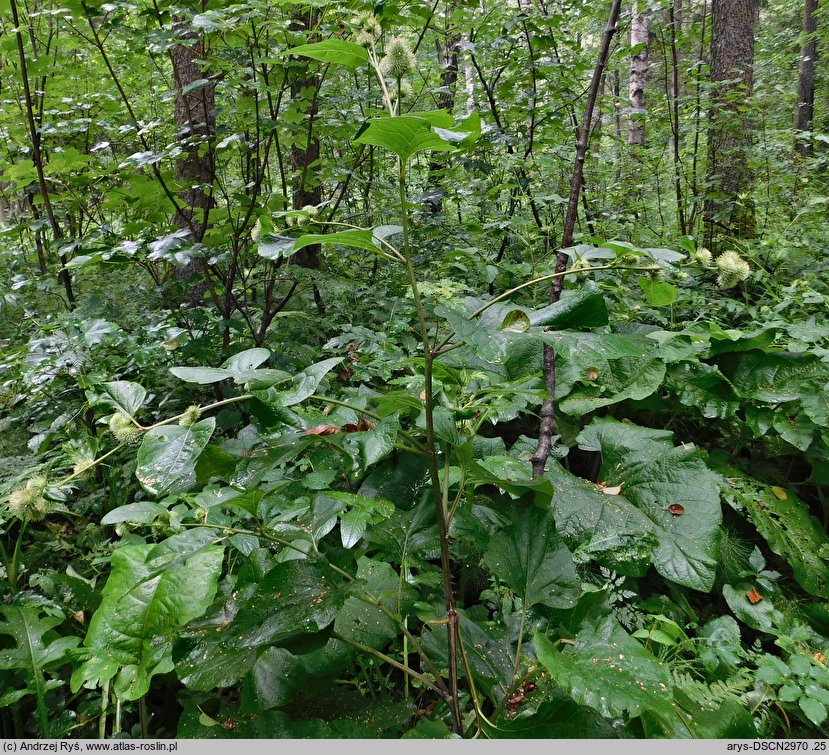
x=787 y=526
x=609 y=671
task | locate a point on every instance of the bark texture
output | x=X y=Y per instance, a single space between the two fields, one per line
x=806 y=80
x=468 y=77
x=448 y=58
x=729 y=206
x=195 y=114
x=305 y=150
x=639 y=38
x=547 y=411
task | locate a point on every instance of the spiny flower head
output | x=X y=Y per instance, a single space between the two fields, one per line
x=123 y=428
x=399 y=58
x=733 y=269
x=82 y=465
x=368 y=28
x=702 y=256
x=28 y=502
x=190 y=416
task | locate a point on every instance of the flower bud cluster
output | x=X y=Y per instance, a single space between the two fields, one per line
x=28 y=502
x=123 y=428
x=733 y=269
x=368 y=29
x=399 y=58
x=190 y=416
x=702 y=256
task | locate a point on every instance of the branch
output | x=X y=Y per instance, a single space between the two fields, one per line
x=542 y=452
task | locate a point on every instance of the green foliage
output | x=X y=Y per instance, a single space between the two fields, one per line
x=167 y=456
x=36 y=651
x=272 y=383
x=152 y=592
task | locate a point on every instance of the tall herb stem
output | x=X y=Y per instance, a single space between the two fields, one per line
x=431 y=449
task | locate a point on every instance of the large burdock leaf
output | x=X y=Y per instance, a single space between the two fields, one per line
x=774 y=378
x=585 y=308
x=241 y=367
x=243 y=636
x=127 y=396
x=529 y=556
x=622 y=379
x=658 y=293
x=167 y=456
x=815 y=402
x=703 y=386
x=484 y=337
x=661 y=480
x=604 y=528
x=294 y=598
x=200 y=375
x=489 y=651
x=151 y=593
x=247 y=360
x=598 y=369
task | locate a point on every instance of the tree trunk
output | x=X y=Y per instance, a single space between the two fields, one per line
x=547 y=412
x=615 y=88
x=195 y=115
x=673 y=105
x=448 y=58
x=806 y=80
x=677 y=16
x=37 y=158
x=468 y=77
x=305 y=150
x=729 y=205
x=639 y=38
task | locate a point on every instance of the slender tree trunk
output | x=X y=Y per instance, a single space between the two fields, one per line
x=696 y=198
x=617 y=123
x=639 y=63
x=729 y=205
x=305 y=150
x=547 y=413
x=37 y=158
x=596 y=128
x=448 y=58
x=806 y=80
x=676 y=135
x=677 y=15
x=468 y=77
